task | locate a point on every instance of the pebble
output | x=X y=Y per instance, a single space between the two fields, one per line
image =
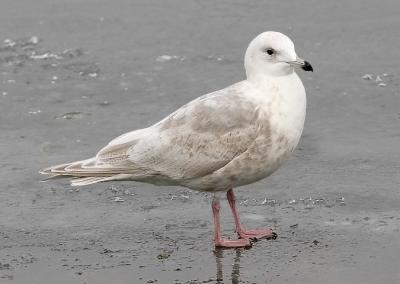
x=378 y=79
x=185 y=196
x=9 y=43
x=70 y=115
x=118 y=199
x=165 y=57
x=367 y=77
x=34 y=40
x=46 y=55
x=35 y=112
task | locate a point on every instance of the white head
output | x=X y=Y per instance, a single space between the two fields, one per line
x=272 y=54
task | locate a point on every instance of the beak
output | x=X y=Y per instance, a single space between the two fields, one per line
x=302 y=64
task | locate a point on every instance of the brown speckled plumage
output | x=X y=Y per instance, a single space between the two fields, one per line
x=224 y=139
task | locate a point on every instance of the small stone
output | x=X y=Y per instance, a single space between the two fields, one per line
x=367 y=77
x=113 y=189
x=382 y=85
x=185 y=196
x=35 y=112
x=378 y=79
x=70 y=115
x=340 y=199
x=163 y=255
x=46 y=55
x=165 y=58
x=118 y=199
x=34 y=40
x=9 y=42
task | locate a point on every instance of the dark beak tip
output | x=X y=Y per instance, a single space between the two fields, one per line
x=307 y=66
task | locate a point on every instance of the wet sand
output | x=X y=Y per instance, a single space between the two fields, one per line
x=77 y=73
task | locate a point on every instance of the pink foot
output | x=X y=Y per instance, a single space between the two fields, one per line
x=218 y=240
x=240 y=243
x=247 y=234
x=257 y=234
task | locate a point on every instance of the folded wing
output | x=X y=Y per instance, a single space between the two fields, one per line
x=198 y=139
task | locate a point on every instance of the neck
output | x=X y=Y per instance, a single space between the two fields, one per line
x=257 y=77
x=254 y=73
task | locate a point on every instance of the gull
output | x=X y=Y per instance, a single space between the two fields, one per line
x=225 y=139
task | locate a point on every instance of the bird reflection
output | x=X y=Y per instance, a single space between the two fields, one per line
x=235 y=274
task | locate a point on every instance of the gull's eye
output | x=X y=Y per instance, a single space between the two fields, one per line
x=269 y=51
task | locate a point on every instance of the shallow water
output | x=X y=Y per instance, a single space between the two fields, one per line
x=75 y=74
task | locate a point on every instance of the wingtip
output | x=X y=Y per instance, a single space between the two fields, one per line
x=54 y=176
x=46 y=171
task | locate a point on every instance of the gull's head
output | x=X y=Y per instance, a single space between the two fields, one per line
x=272 y=54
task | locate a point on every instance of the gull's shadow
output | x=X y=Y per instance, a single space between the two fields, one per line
x=235 y=274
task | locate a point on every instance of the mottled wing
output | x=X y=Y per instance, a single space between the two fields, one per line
x=199 y=138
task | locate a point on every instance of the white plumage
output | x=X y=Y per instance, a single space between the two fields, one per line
x=224 y=139
x=228 y=138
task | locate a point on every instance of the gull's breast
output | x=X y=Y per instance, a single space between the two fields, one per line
x=281 y=122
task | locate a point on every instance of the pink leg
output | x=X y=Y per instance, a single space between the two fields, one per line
x=218 y=240
x=247 y=234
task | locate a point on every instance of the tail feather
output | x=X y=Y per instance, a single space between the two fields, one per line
x=90 y=171
x=92 y=180
x=84 y=168
x=53 y=176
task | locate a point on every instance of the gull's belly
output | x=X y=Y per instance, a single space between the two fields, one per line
x=260 y=161
x=264 y=157
x=268 y=152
